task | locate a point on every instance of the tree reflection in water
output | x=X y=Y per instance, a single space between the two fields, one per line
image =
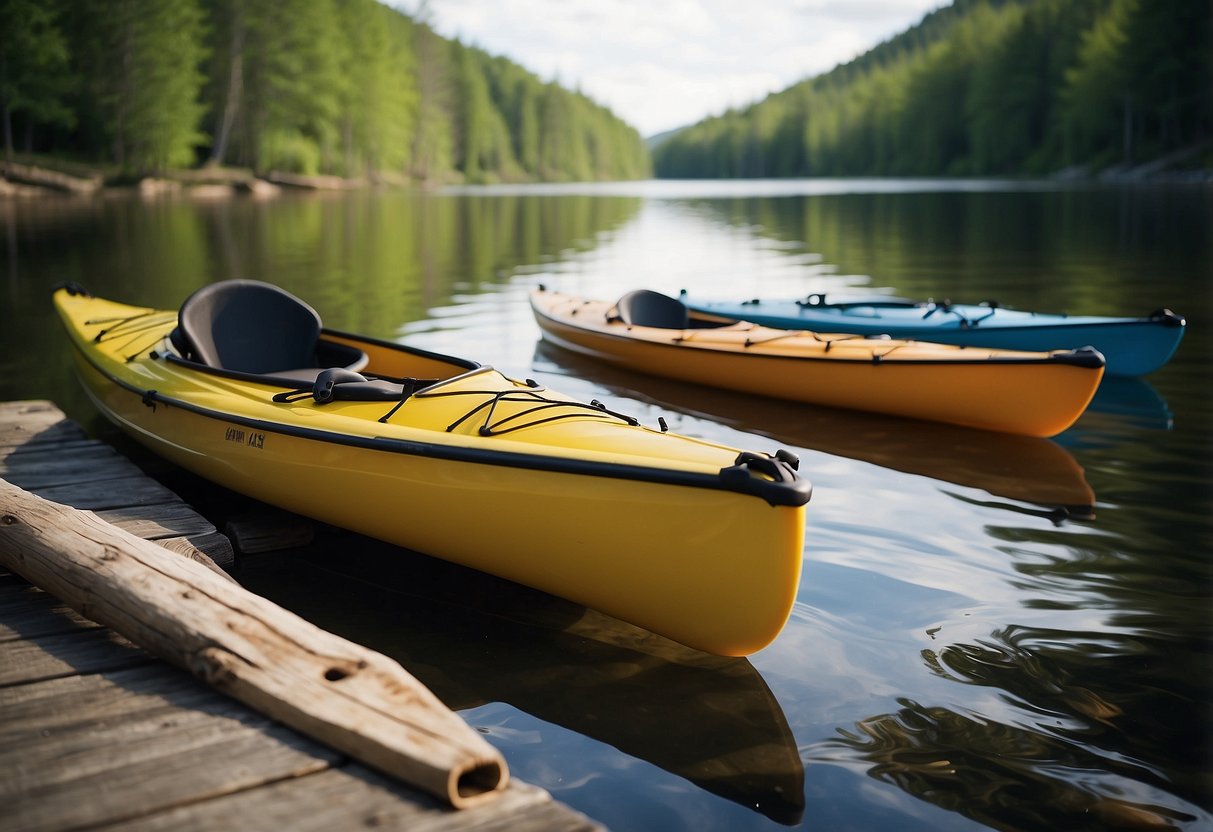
x=1062 y=756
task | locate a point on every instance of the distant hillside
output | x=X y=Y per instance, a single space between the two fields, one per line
x=658 y=139
x=346 y=87
x=982 y=87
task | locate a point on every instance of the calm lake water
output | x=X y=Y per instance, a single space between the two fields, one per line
x=990 y=632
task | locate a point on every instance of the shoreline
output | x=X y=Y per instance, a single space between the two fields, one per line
x=18 y=180
x=24 y=181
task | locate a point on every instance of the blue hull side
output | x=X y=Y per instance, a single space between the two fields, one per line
x=1132 y=346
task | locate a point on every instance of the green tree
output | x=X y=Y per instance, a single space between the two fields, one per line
x=515 y=93
x=352 y=87
x=1170 y=69
x=982 y=86
x=483 y=141
x=293 y=85
x=34 y=74
x=433 y=142
x=379 y=107
x=1098 y=101
x=147 y=80
x=228 y=35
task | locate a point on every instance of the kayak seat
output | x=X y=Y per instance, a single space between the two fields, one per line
x=644 y=307
x=246 y=326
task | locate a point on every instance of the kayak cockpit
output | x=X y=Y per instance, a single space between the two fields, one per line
x=254 y=328
x=256 y=331
x=644 y=307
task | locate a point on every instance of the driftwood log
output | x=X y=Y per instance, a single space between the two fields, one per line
x=43 y=178
x=351 y=698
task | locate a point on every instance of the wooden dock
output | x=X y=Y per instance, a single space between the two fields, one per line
x=96 y=733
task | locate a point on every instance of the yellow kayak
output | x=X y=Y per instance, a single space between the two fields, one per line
x=696 y=541
x=1035 y=394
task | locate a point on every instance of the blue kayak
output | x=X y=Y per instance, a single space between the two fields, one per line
x=1132 y=346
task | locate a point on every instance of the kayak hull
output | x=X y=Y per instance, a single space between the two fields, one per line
x=1034 y=394
x=706 y=566
x=1130 y=346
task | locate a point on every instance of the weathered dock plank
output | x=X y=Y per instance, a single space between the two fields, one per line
x=269 y=531
x=35 y=423
x=27 y=611
x=32 y=411
x=99 y=463
x=94 y=749
x=115 y=493
x=27 y=445
x=356 y=797
x=156 y=522
x=44 y=452
x=150 y=748
x=27 y=660
x=82 y=453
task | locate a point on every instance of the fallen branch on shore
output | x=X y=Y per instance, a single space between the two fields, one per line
x=53 y=179
x=313 y=183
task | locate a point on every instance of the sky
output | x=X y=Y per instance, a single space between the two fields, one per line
x=661 y=64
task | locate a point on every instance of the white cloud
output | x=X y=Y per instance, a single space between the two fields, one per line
x=663 y=65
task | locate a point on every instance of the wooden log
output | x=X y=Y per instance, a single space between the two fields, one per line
x=209 y=191
x=11 y=190
x=44 y=178
x=347 y=696
x=258 y=188
x=312 y=183
x=150 y=186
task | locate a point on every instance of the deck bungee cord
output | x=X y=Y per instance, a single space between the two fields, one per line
x=688 y=336
x=326 y=390
x=593 y=409
x=153 y=321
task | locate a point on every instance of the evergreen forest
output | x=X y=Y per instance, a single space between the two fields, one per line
x=346 y=87
x=984 y=87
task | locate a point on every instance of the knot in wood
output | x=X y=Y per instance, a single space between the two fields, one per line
x=214 y=665
x=343 y=670
x=9 y=520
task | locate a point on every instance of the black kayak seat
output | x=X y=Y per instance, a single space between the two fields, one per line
x=247 y=326
x=644 y=307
